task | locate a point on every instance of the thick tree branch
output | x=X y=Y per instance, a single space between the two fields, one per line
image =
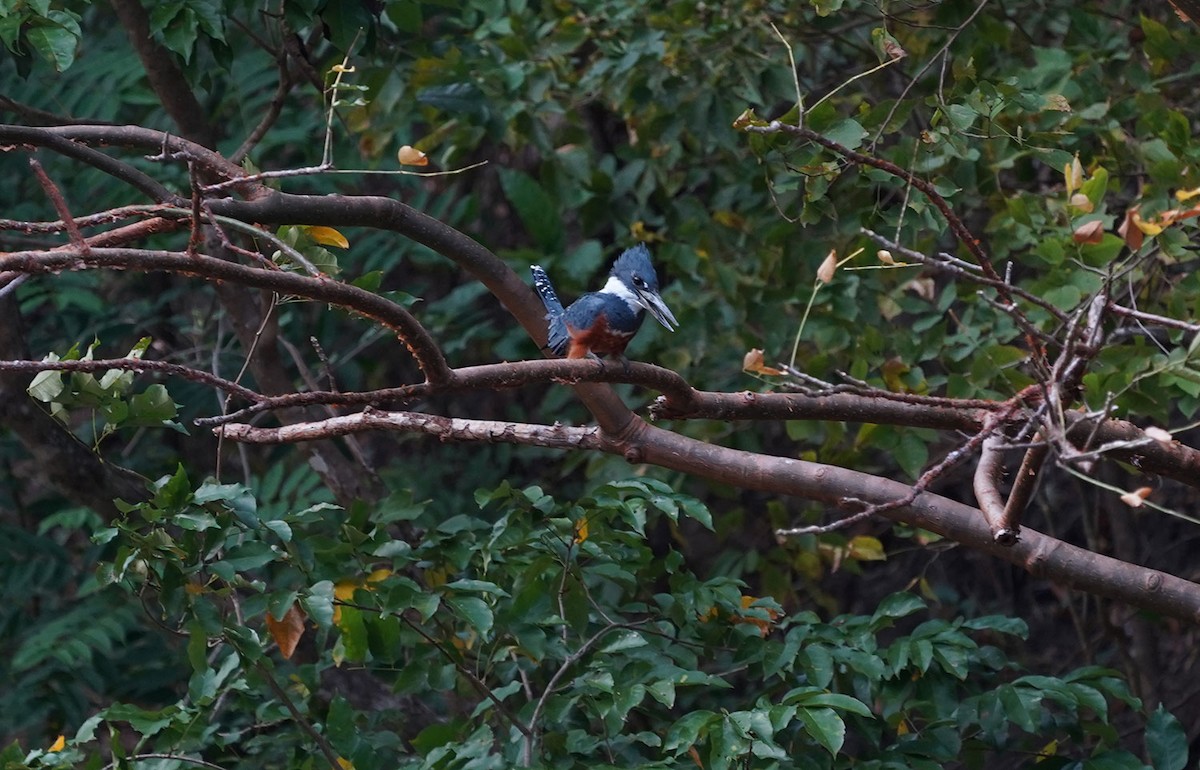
x=1037 y=553
x=358 y=301
x=166 y=79
x=53 y=139
x=986 y=483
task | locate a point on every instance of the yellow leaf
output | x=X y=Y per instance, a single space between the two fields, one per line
x=1047 y=751
x=341 y=68
x=730 y=219
x=581 y=530
x=344 y=589
x=379 y=575
x=327 y=236
x=345 y=764
x=1073 y=172
x=411 y=156
x=892 y=370
x=867 y=548
x=1182 y=195
x=59 y=743
x=640 y=232
x=1147 y=227
x=436 y=576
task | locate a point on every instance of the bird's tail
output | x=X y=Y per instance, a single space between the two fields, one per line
x=556 y=331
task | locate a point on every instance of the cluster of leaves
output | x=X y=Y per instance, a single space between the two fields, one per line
x=538 y=632
x=109 y=396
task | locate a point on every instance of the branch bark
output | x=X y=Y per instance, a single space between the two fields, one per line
x=1039 y=554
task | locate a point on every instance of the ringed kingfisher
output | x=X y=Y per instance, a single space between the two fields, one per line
x=603 y=322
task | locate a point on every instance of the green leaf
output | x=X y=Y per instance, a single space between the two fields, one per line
x=686 y=731
x=46 y=386
x=56 y=38
x=848 y=133
x=1166 y=741
x=354 y=633
x=825 y=726
x=538 y=213
x=911 y=453
x=318 y=603
x=810 y=696
x=895 y=606
x=250 y=555
x=152 y=408
x=624 y=640
x=474 y=610
x=146 y=722
x=478 y=586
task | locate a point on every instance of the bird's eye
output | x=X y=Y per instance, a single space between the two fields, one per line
x=638 y=282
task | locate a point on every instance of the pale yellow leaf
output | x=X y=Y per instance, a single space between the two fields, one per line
x=1158 y=434
x=867 y=548
x=828 y=267
x=1057 y=102
x=1135 y=498
x=1073 y=172
x=1082 y=203
x=411 y=156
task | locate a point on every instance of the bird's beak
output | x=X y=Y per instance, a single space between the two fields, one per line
x=654 y=303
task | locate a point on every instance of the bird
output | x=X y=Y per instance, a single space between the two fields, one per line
x=601 y=323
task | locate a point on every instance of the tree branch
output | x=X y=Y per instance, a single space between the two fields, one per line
x=166 y=79
x=363 y=303
x=1037 y=553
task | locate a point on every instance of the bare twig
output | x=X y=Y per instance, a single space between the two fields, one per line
x=1024 y=484
x=986 y=483
x=322 y=743
x=60 y=205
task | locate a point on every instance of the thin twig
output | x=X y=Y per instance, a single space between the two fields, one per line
x=323 y=744
x=60 y=205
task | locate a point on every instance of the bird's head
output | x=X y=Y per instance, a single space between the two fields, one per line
x=636 y=275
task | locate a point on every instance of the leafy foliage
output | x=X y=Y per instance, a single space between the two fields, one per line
x=557 y=633
x=433 y=632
